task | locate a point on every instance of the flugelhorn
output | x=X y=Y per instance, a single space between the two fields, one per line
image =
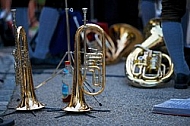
x=93 y=64
x=147 y=65
x=23 y=71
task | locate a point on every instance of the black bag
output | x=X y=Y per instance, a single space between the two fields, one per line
x=6 y=33
x=59 y=40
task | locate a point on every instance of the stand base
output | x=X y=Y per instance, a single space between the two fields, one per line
x=72 y=109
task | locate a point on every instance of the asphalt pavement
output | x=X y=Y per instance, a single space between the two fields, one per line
x=118 y=105
x=7 y=84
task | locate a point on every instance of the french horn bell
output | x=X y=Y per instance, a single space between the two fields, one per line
x=124 y=37
x=120 y=41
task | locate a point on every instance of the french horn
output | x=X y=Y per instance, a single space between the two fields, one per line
x=87 y=61
x=120 y=41
x=23 y=71
x=124 y=37
x=147 y=65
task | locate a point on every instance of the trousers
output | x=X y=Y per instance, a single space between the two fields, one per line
x=173 y=10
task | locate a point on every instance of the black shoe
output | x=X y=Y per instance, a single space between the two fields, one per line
x=181 y=81
x=47 y=61
x=8 y=122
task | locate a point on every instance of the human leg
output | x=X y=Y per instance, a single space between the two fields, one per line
x=173 y=35
x=33 y=21
x=5 y=9
x=187 y=37
x=48 y=21
x=188 y=31
x=148 y=10
x=22 y=17
x=22 y=20
x=174 y=39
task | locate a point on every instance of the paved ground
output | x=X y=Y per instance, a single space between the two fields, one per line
x=7 y=83
x=122 y=104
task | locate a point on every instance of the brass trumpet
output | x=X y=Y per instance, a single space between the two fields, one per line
x=23 y=71
x=147 y=65
x=93 y=64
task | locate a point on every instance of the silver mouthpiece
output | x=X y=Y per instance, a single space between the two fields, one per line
x=84 y=10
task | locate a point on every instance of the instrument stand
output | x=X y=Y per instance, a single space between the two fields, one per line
x=77 y=113
x=14 y=112
x=51 y=109
x=69 y=52
x=71 y=113
x=68 y=35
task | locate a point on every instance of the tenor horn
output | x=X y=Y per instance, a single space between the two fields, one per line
x=23 y=71
x=147 y=65
x=93 y=64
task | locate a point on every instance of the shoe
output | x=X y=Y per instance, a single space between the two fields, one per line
x=8 y=122
x=181 y=81
x=47 y=61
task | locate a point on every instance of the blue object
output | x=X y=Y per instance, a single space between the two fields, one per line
x=65 y=90
x=67 y=80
